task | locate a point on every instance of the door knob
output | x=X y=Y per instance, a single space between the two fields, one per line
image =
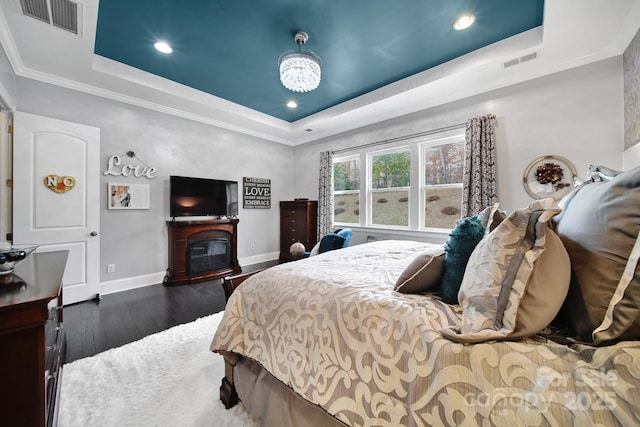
x=94 y=233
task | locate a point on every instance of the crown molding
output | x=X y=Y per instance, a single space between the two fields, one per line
x=116 y=96
x=16 y=63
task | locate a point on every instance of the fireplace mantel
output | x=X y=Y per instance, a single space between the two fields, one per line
x=179 y=233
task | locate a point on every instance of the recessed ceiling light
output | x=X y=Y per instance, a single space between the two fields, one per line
x=464 y=22
x=292 y=104
x=163 y=47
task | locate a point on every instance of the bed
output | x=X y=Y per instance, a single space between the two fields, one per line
x=327 y=340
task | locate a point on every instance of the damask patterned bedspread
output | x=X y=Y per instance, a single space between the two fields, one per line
x=332 y=328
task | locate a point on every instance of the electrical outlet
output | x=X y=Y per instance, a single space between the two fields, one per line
x=253 y=249
x=111 y=268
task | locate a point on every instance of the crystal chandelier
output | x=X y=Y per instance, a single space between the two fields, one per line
x=300 y=69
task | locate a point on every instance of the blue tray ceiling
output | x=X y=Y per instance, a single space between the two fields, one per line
x=230 y=49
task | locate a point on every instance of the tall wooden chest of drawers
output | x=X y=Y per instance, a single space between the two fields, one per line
x=298 y=223
x=32 y=341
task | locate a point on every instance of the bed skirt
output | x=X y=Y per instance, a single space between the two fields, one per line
x=271 y=403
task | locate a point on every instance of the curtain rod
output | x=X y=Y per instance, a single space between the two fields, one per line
x=400 y=138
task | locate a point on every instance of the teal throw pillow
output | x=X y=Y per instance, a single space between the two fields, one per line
x=458 y=248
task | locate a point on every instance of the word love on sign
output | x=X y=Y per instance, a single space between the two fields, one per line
x=116 y=168
x=59 y=184
x=256 y=193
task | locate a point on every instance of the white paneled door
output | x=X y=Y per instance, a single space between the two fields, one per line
x=56 y=179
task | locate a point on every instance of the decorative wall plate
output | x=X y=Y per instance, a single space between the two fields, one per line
x=549 y=176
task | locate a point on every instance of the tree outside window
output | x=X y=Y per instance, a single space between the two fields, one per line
x=442 y=185
x=390 y=182
x=346 y=190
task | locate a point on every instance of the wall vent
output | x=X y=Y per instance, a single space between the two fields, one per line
x=512 y=63
x=528 y=57
x=64 y=14
x=524 y=58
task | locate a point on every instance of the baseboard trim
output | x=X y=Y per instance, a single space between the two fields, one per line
x=131 y=283
x=256 y=259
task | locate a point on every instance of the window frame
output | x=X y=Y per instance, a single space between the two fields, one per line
x=343 y=159
x=370 y=191
x=435 y=142
x=416 y=211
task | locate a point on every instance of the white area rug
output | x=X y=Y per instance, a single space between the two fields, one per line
x=166 y=379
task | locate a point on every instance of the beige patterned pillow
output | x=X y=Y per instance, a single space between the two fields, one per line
x=491 y=216
x=516 y=279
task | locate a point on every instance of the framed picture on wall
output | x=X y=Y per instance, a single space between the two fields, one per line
x=128 y=196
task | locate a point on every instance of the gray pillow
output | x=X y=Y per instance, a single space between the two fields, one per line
x=424 y=273
x=599 y=227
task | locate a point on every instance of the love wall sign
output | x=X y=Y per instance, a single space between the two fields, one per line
x=59 y=184
x=256 y=193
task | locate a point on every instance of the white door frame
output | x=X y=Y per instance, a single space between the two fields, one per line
x=5 y=175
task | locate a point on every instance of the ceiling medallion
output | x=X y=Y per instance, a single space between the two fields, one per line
x=300 y=69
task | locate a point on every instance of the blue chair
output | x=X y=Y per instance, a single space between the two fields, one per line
x=339 y=239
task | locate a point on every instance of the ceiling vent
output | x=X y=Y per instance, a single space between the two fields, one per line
x=63 y=14
x=516 y=61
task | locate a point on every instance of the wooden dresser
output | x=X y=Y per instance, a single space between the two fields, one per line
x=298 y=223
x=32 y=342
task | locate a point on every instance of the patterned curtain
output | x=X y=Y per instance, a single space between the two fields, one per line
x=325 y=197
x=479 y=180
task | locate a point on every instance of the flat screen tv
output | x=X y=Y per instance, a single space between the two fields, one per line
x=202 y=197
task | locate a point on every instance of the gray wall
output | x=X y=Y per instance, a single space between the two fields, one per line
x=577 y=114
x=631 y=60
x=136 y=240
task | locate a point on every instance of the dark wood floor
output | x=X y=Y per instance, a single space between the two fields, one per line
x=120 y=318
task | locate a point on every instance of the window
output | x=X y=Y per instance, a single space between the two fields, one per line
x=389 y=190
x=346 y=190
x=442 y=185
x=413 y=186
